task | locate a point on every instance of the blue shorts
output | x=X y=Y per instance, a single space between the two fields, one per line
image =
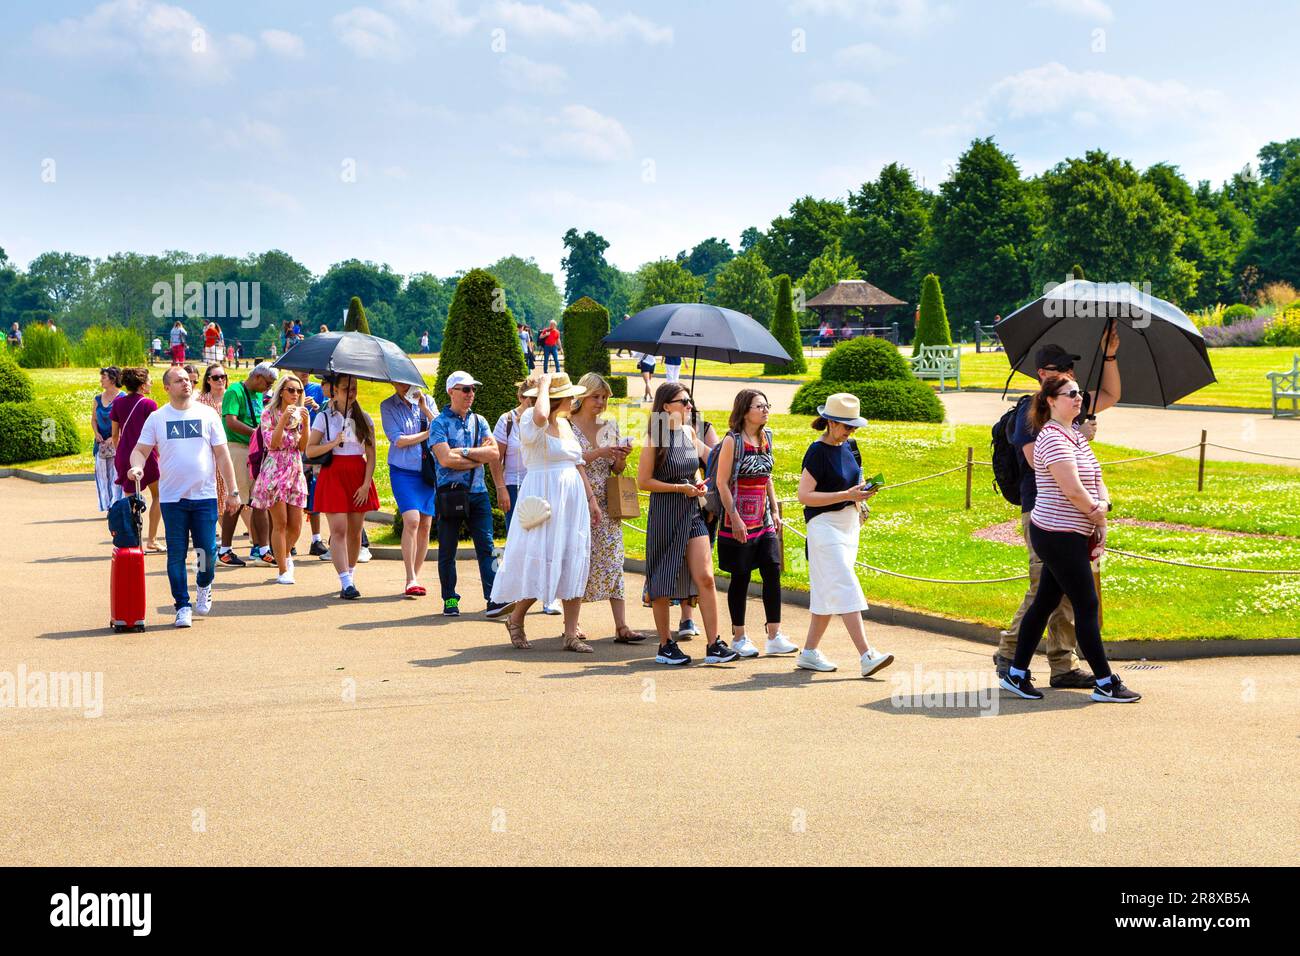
x=410 y=490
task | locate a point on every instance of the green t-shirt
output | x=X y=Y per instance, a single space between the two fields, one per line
x=236 y=402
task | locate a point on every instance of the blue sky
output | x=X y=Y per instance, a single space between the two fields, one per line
x=438 y=135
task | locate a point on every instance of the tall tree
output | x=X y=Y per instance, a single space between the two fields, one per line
x=707 y=258
x=797 y=239
x=1207 y=246
x=1275 y=247
x=745 y=284
x=665 y=281
x=1275 y=157
x=830 y=267
x=65 y=277
x=530 y=292
x=422 y=307
x=750 y=238
x=585 y=270
x=886 y=227
x=329 y=295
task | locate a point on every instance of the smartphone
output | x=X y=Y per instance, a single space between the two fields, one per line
x=875 y=481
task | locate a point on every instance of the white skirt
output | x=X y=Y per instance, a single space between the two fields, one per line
x=106 y=481
x=833 y=586
x=551 y=561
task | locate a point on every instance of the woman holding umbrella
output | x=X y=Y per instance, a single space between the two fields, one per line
x=345 y=490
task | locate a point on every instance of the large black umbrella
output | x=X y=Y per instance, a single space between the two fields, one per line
x=352 y=353
x=695 y=330
x=1162 y=355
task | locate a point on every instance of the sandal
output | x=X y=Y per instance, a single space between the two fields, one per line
x=577 y=644
x=517 y=636
x=416 y=590
x=625 y=635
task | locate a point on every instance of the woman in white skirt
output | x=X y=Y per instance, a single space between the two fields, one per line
x=834 y=497
x=548 y=544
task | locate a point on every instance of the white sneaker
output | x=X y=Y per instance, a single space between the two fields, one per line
x=780 y=644
x=185 y=617
x=552 y=608
x=286 y=578
x=363 y=556
x=203 y=604
x=813 y=661
x=873 y=661
x=744 y=647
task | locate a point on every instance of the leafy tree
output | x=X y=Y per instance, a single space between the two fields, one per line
x=329 y=295
x=932 y=328
x=1275 y=157
x=830 y=267
x=981 y=233
x=750 y=238
x=707 y=258
x=745 y=284
x=482 y=339
x=886 y=228
x=356 y=320
x=786 y=331
x=625 y=288
x=1207 y=246
x=1275 y=247
x=665 y=281
x=422 y=307
x=530 y=292
x=64 y=276
x=795 y=240
x=291 y=279
x=585 y=270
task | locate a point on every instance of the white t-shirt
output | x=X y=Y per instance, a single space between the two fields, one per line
x=514 y=463
x=337 y=423
x=185 y=439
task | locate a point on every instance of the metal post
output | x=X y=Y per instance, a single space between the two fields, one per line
x=1200 y=471
x=970 y=472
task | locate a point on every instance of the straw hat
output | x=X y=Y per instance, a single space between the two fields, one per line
x=842 y=407
x=561 y=387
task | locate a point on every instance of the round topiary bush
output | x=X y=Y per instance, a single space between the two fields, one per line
x=15 y=384
x=867 y=359
x=30 y=431
x=617 y=386
x=1238 y=312
x=891 y=400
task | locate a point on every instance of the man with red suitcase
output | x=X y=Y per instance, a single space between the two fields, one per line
x=191 y=443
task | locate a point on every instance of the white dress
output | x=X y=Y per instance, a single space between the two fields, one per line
x=551 y=561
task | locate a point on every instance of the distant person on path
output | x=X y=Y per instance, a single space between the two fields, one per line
x=645 y=364
x=406 y=416
x=1067 y=529
x=825 y=335
x=463 y=444
x=345 y=490
x=549 y=560
x=673 y=368
x=101 y=428
x=281 y=487
x=830 y=489
x=212 y=342
x=1062 y=643
x=156 y=355
x=15 y=337
x=241 y=410
x=191 y=447
x=129 y=413
x=526 y=343
x=178 y=337
x=550 y=339
x=215 y=380
x=424 y=342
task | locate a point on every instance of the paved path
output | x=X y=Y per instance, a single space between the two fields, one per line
x=292 y=728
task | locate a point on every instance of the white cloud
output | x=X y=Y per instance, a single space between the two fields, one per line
x=579 y=22
x=865 y=58
x=444 y=15
x=580 y=133
x=844 y=93
x=528 y=76
x=240 y=46
x=912 y=16
x=283 y=43
x=368 y=33
x=1096 y=10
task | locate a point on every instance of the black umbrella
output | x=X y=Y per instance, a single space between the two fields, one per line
x=1162 y=355
x=695 y=330
x=352 y=353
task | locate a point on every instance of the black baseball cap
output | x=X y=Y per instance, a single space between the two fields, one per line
x=1054 y=355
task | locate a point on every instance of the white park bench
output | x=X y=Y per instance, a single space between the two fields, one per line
x=1287 y=385
x=938 y=361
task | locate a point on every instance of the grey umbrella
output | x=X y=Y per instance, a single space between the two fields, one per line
x=1162 y=355
x=352 y=353
x=695 y=330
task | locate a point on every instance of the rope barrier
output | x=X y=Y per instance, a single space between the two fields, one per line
x=1247 y=451
x=1124 y=461
x=912 y=577
x=1200 y=567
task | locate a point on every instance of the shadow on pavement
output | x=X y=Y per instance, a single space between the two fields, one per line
x=914 y=706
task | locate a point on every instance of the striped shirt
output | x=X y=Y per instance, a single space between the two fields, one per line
x=1052 y=510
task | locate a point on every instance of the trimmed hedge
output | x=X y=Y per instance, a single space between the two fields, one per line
x=356 y=320
x=44 y=349
x=584 y=324
x=932 y=326
x=15 y=384
x=30 y=431
x=1234 y=313
x=891 y=400
x=618 y=385
x=785 y=329
x=866 y=359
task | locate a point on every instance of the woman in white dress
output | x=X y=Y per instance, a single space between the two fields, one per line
x=551 y=559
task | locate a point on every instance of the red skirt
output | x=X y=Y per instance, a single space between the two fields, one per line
x=339 y=481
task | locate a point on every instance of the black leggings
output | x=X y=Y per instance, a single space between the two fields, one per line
x=738 y=591
x=1066 y=570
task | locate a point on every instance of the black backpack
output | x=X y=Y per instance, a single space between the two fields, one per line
x=1008 y=462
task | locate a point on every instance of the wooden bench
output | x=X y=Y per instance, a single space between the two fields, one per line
x=938 y=361
x=1287 y=385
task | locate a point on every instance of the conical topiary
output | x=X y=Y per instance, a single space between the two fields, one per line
x=932 y=328
x=356 y=320
x=1078 y=272
x=786 y=331
x=481 y=338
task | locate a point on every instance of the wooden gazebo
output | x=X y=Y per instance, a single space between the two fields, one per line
x=859 y=295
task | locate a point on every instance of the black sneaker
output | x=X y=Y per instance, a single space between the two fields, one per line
x=1002 y=664
x=1079 y=679
x=231 y=560
x=719 y=652
x=1115 y=692
x=350 y=593
x=670 y=653
x=1021 y=686
x=267 y=556
x=451 y=607
x=318 y=549
x=294 y=552
x=495 y=610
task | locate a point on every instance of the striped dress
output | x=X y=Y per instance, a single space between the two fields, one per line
x=672 y=521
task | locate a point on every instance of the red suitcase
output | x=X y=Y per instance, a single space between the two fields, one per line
x=126 y=590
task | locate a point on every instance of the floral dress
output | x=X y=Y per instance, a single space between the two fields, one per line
x=605 y=579
x=214 y=403
x=281 y=477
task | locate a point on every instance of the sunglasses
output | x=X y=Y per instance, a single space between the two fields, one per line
x=217 y=378
x=291 y=390
x=761 y=407
x=680 y=401
x=1059 y=368
x=1072 y=393
x=466 y=388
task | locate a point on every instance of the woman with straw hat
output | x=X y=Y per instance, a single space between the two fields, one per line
x=548 y=544
x=834 y=497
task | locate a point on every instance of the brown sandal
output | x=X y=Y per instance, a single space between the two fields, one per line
x=577 y=644
x=625 y=635
x=517 y=636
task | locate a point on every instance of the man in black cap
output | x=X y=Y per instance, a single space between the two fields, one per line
x=1061 y=644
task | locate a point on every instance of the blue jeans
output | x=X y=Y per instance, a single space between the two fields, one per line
x=479 y=518
x=550 y=352
x=187 y=520
x=513 y=490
